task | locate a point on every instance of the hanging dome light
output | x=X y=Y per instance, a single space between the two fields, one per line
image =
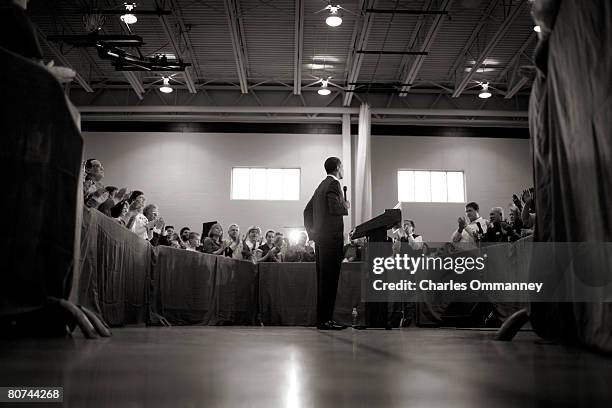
x=334 y=19
x=129 y=18
x=324 y=90
x=485 y=93
x=166 y=88
x=537 y=29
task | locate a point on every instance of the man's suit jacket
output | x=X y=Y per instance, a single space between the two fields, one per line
x=323 y=213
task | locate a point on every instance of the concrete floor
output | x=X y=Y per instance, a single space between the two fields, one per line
x=301 y=367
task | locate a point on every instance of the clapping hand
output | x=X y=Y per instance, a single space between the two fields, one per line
x=122 y=194
x=461 y=222
x=517 y=201
x=526 y=195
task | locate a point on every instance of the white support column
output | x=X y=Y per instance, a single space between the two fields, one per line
x=363 y=168
x=347 y=162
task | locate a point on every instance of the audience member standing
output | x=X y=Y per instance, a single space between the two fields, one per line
x=301 y=251
x=120 y=211
x=105 y=207
x=270 y=251
x=474 y=229
x=213 y=243
x=138 y=222
x=184 y=237
x=93 y=189
x=194 y=242
x=498 y=230
x=233 y=241
x=246 y=249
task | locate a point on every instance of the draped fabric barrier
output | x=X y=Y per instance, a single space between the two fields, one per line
x=183 y=285
x=288 y=294
x=570 y=124
x=127 y=281
x=235 y=292
x=114 y=274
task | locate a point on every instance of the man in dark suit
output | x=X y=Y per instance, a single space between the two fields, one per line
x=323 y=221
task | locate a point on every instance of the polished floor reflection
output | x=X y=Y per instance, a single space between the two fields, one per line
x=301 y=367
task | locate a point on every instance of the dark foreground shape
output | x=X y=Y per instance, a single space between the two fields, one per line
x=512 y=325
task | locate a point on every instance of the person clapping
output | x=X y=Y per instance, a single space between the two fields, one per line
x=270 y=250
x=471 y=230
x=214 y=243
x=246 y=249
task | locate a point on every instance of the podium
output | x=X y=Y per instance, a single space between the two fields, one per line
x=377 y=314
x=375 y=230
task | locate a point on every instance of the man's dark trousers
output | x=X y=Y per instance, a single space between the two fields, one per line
x=328 y=259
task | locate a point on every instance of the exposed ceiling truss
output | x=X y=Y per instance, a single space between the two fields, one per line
x=359 y=42
x=298 y=47
x=484 y=18
x=222 y=103
x=63 y=61
x=515 y=10
x=411 y=72
x=238 y=42
x=174 y=42
x=135 y=83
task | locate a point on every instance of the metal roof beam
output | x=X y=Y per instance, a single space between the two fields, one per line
x=450 y=112
x=135 y=82
x=504 y=27
x=303 y=110
x=177 y=51
x=63 y=60
x=486 y=15
x=238 y=45
x=516 y=87
x=410 y=12
x=413 y=38
x=219 y=109
x=359 y=41
x=298 y=48
x=516 y=57
x=465 y=122
x=412 y=73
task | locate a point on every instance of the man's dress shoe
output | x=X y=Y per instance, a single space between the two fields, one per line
x=330 y=325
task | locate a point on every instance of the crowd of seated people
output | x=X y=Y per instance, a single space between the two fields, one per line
x=472 y=228
x=520 y=222
x=130 y=209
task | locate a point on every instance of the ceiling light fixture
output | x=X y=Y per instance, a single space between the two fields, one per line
x=485 y=93
x=166 y=88
x=334 y=19
x=537 y=29
x=324 y=90
x=129 y=18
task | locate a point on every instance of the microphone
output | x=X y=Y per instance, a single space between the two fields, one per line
x=344 y=189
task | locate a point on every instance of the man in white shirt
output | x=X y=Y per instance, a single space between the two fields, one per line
x=406 y=234
x=472 y=229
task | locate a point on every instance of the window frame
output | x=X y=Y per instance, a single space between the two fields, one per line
x=299 y=193
x=430 y=171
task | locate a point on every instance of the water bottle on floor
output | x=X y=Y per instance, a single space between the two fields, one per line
x=355 y=316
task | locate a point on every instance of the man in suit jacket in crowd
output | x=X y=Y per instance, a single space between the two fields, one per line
x=323 y=221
